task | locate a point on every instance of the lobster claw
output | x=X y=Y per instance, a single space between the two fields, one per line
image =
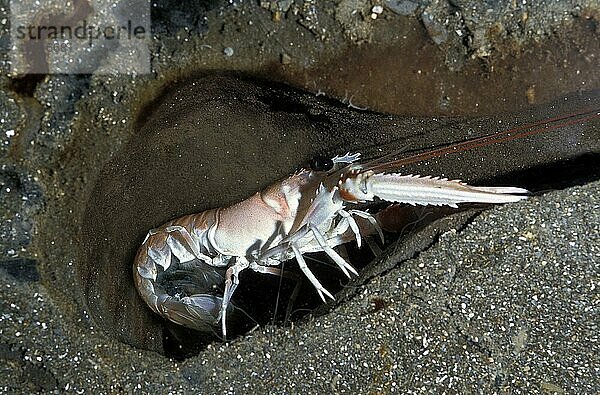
x=414 y=189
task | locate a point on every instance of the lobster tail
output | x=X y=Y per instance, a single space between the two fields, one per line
x=199 y=312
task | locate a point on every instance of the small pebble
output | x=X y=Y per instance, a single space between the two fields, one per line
x=285 y=59
x=376 y=11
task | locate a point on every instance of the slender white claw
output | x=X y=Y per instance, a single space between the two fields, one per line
x=426 y=190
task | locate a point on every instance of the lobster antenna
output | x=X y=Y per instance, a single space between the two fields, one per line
x=493 y=138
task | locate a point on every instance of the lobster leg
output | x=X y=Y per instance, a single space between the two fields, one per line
x=341 y=262
x=231 y=282
x=372 y=221
x=311 y=277
x=353 y=225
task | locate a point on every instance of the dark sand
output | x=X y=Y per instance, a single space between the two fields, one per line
x=506 y=303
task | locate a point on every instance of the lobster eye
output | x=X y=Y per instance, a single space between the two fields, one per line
x=321 y=163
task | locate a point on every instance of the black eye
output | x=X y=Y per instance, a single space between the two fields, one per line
x=321 y=163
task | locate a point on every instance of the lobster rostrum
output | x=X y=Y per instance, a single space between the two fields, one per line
x=307 y=212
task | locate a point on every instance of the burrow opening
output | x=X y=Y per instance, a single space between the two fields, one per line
x=215 y=140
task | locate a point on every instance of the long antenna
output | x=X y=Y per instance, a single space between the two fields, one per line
x=493 y=138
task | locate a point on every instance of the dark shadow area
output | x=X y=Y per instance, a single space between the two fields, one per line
x=170 y=16
x=25 y=85
x=21 y=269
x=558 y=175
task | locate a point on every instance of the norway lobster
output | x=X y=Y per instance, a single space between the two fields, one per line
x=306 y=212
